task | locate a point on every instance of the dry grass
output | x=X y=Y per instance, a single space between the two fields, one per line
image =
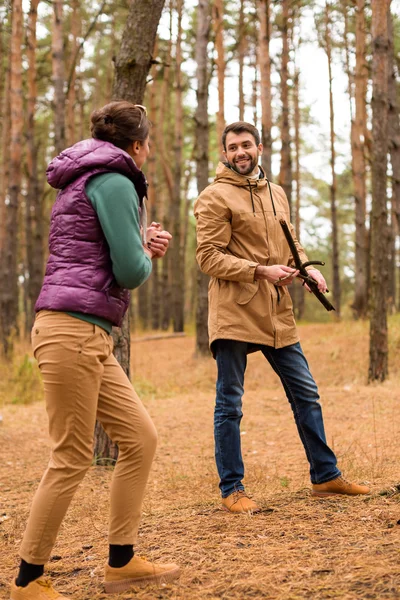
x=296 y=548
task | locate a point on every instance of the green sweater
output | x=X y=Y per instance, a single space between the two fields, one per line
x=116 y=203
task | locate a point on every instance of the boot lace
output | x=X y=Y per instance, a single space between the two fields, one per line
x=48 y=588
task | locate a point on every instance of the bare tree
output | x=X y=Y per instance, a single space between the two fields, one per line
x=394 y=149
x=34 y=195
x=135 y=56
x=333 y=186
x=218 y=23
x=9 y=273
x=285 y=174
x=58 y=76
x=264 y=61
x=131 y=69
x=357 y=93
x=378 y=351
x=241 y=37
x=177 y=258
x=201 y=118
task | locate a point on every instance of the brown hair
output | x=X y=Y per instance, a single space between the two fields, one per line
x=120 y=123
x=240 y=127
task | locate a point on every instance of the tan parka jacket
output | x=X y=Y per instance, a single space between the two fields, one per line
x=238 y=229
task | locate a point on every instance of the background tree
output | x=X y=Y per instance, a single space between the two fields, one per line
x=9 y=272
x=378 y=352
x=201 y=119
x=132 y=66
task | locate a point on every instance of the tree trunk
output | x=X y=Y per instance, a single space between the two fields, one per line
x=176 y=256
x=242 y=51
x=135 y=56
x=58 y=76
x=394 y=150
x=74 y=65
x=332 y=189
x=297 y=291
x=218 y=23
x=360 y=304
x=131 y=69
x=264 y=62
x=378 y=352
x=5 y=119
x=285 y=175
x=201 y=119
x=9 y=270
x=34 y=195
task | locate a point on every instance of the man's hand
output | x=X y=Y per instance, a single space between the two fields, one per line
x=276 y=274
x=319 y=278
x=157 y=240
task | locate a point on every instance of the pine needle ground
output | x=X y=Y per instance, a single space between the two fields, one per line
x=296 y=548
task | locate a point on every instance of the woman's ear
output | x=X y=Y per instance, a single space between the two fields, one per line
x=136 y=147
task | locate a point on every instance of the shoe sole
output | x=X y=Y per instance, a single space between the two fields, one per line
x=333 y=494
x=114 y=587
x=241 y=512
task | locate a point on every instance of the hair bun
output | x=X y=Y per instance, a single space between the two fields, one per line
x=108 y=120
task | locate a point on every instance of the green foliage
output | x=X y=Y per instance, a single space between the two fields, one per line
x=26 y=385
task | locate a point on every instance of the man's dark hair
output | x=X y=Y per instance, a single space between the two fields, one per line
x=240 y=127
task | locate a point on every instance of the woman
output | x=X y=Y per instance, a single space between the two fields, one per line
x=97 y=253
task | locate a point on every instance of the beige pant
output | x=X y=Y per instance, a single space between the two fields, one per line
x=83 y=381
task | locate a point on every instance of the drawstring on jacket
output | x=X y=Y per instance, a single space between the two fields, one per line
x=270 y=193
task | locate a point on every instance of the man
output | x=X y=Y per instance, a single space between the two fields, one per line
x=241 y=245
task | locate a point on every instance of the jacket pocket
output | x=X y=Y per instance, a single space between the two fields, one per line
x=247 y=292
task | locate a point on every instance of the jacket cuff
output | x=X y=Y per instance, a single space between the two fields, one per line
x=251 y=272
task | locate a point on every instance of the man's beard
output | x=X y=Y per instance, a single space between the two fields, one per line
x=246 y=170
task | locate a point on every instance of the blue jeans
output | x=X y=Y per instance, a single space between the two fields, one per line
x=290 y=364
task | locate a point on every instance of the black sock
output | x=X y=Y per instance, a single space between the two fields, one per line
x=28 y=573
x=119 y=556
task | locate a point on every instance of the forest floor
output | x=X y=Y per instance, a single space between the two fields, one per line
x=296 y=548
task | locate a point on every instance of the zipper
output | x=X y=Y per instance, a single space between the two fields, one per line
x=272 y=198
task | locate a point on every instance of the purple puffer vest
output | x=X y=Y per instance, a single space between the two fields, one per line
x=79 y=273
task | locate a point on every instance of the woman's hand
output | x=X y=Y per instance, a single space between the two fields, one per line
x=157 y=240
x=276 y=274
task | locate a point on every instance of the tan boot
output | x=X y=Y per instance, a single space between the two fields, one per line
x=138 y=572
x=239 y=503
x=40 y=589
x=338 y=487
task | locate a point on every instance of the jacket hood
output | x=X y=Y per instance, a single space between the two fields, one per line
x=225 y=174
x=88 y=155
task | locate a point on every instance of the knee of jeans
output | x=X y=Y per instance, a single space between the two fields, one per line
x=233 y=409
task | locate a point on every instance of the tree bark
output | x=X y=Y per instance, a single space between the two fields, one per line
x=360 y=304
x=242 y=51
x=9 y=271
x=58 y=76
x=135 y=56
x=264 y=61
x=394 y=150
x=34 y=195
x=131 y=69
x=297 y=291
x=378 y=351
x=176 y=251
x=218 y=23
x=201 y=119
x=71 y=93
x=5 y=119
x=285 y=174
x=332 y=187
